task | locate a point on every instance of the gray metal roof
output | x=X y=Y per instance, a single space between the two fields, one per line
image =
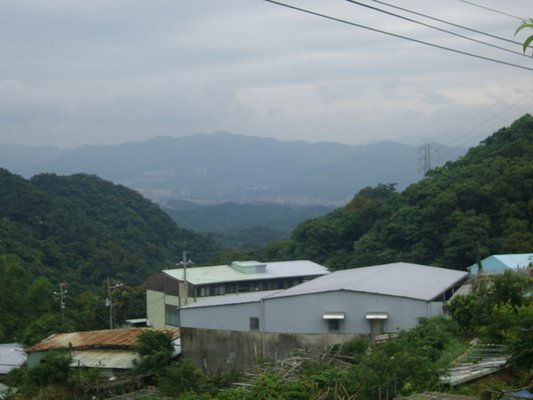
x=11 y=356
x=396 y=279
x=241 y=298
x=225 y=273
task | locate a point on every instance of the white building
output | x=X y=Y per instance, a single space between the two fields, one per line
x=174 y=288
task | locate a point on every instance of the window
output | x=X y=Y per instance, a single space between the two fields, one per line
x=254 y=323
x=243 y=287
x=172 y=316
x=334 y=325
x=230 y=288
x=333 y=319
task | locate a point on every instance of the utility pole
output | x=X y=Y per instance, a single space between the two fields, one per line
x=111 y=288
x=61 y=296
x=184 y=263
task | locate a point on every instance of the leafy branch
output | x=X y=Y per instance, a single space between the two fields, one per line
x=523 y=25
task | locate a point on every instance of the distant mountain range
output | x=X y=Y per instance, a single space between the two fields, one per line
x=220 y=167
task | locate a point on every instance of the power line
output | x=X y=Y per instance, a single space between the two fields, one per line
x=492 y=9
x=436 y=28
x=447 y=22
x=399 y=36
x=474 y=129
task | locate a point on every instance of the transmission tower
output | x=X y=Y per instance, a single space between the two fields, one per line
x=429 y=156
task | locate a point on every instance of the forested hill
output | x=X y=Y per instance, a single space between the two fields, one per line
x=81 y=229
x=479 y=205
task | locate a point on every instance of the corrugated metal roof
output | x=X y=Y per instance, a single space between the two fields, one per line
x=89 y=339
x=241 y=298
x=11 y=356
x=396 y=279
x=498 y=263
x=224 y=273
x=115 y=359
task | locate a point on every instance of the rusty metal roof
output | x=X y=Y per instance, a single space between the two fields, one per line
x=109 y=338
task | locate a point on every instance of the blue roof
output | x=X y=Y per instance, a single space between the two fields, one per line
x=499 y=263
x=521 y=394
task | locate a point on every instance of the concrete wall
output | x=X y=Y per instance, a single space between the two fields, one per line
x=216 y=349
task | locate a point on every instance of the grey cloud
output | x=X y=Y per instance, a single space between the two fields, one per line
x=109 y=71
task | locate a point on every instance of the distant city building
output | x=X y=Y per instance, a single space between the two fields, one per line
x=499 y=263
x=174 y=288
x=330 y=309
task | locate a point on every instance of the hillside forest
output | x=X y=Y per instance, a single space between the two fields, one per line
x=459 y=213
x=79 y=230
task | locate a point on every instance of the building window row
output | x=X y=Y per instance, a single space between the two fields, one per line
x=246 y=286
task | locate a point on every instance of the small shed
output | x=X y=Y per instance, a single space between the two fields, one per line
x=111 y=349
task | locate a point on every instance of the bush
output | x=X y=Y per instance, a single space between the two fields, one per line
x=184 y=377
x=155 y=349
x=53 y=369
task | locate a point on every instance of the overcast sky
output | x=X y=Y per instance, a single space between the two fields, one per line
x=78 y=72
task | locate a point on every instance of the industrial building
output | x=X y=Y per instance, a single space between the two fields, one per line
x=174 y=288
x=330 y=309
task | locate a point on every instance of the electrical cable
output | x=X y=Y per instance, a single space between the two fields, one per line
x=437 y=28
x=447 y=22
x=399 y=36
x=474 y=129
x=493 y=10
